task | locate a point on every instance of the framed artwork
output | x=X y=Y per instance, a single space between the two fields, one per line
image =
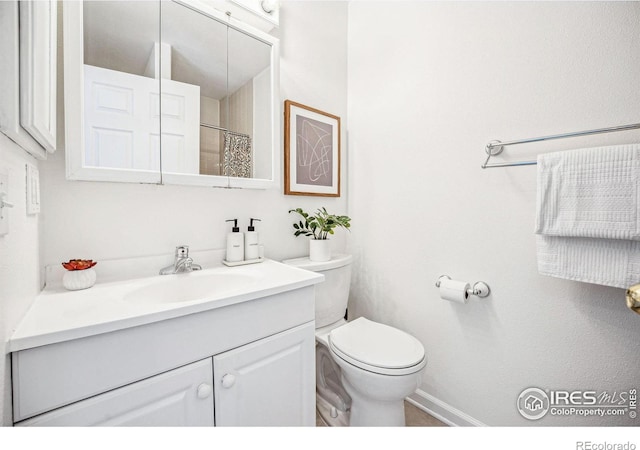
x=311 y=151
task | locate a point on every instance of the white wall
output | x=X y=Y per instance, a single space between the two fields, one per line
x=19 y=274
x=430 y=83
x=111 y=220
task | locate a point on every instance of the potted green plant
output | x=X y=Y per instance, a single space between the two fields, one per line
x=319 y=227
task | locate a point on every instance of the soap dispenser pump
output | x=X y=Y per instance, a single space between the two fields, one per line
x=235 y=243
x=251 y=242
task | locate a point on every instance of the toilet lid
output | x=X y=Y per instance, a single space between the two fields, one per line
x=376 y=345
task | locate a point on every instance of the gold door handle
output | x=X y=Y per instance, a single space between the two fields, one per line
x=633 y=298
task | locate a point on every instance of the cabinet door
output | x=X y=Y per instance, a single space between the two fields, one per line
x=270 y=382
x=180 y=397
x=38 y=57
x=10 y=79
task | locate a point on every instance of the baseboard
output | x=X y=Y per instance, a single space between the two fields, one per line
x=442 y=411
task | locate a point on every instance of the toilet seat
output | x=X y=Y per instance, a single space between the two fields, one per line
x=377 y=348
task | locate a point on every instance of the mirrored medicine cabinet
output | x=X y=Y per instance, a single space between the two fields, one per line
x=171 y=92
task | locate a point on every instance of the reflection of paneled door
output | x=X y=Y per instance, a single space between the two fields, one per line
x=122 y=122
x=119 y=127
x=180 y=126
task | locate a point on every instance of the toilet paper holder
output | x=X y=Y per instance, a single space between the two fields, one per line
x=479 y=289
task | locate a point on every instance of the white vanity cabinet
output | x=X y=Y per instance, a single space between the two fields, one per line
x=250 y=363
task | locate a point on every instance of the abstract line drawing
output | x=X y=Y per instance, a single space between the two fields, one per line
x=314 y=147
x=311 y=151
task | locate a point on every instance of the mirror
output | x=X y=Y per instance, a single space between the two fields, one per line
x=121 y=121
x=173 y=92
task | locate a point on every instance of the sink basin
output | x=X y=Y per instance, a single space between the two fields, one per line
x=189 y=287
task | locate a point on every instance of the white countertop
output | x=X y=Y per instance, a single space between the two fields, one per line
x=59 y=315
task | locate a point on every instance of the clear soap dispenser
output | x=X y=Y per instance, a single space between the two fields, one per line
x=251 y=242
x=235 y=243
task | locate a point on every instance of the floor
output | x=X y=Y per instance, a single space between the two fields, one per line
x=415 y=417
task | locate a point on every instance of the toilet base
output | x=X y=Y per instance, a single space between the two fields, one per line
x=327 y=411
x=370 y=413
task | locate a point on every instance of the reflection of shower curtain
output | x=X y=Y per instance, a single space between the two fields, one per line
x=237 y=155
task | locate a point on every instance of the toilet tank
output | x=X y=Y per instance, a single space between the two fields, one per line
x=332 y=295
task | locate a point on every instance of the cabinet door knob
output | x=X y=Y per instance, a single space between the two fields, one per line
x=269 y=6
x=228 y=380
x=204 y=391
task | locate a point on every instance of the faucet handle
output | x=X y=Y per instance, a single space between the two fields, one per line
x=182 y=251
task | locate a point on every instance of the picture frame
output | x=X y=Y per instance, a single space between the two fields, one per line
x=311 y=151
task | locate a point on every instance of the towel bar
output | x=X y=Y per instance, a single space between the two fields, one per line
x=494 y=148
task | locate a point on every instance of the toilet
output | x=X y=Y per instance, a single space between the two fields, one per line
x=364 y=369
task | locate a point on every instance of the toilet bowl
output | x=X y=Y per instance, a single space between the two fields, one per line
x=364 y=369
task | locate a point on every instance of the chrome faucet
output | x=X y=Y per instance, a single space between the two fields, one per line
x=182 y=263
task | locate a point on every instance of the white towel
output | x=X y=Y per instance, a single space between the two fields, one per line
x=588 y=203
x=590 y=192
x=608 y=262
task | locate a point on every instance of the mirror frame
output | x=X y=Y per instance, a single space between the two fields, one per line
x=74 y=109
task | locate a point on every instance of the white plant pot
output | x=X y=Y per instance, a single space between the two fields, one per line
x=319 y=250
x=74 y=280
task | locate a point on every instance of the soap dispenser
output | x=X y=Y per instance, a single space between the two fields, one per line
x=235 y=243
x=251 y=242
